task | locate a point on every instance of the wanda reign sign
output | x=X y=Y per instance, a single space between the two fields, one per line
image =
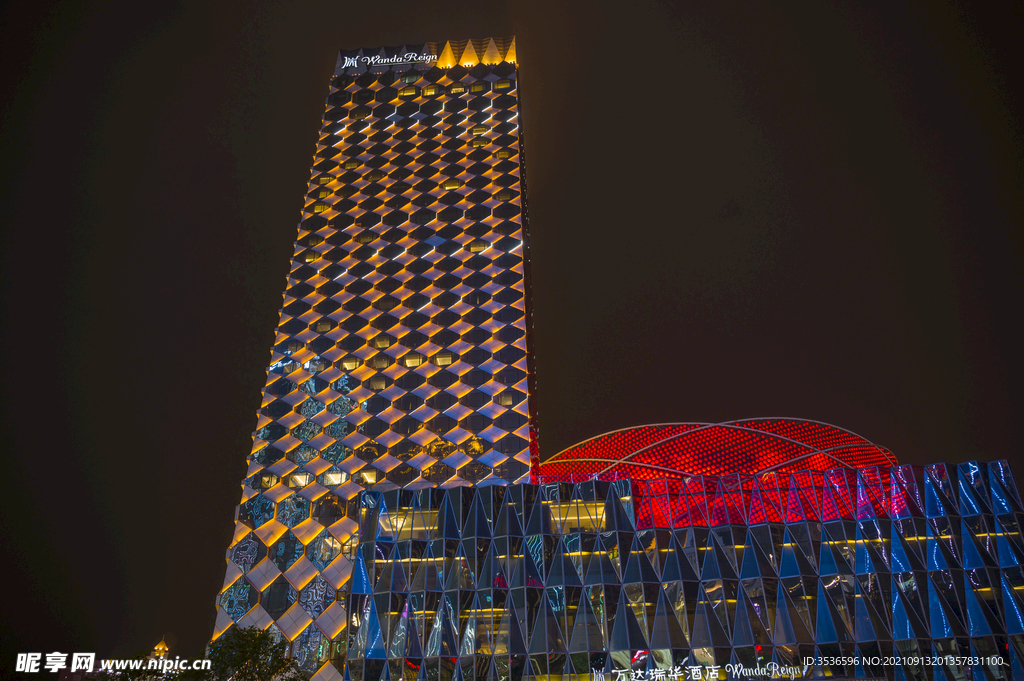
x=377 y=60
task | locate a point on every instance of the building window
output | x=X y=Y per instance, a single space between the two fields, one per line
x=451 y=183
x=412 y=360
x=382 y=341
x=504 y=195
x=503 y=84
x=351 y=164
x=433 y=91
x=380 y=361
x=366 y=236
x=375 y=175
x=363 y=97
x=350 y=363
x=325 y=179
x=323 y=325
x=443 y=358
x=480 y=86
x=320 y=207
x=410 y=77
x=478 y=142
x=479 y=129
x=378 y=383
x=478 y=246
x=410 y=92
x=504 y=153
x=457 y=89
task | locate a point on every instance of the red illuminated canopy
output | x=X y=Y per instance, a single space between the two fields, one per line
x=748 y=447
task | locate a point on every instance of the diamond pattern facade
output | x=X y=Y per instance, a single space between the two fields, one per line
x=401 y=358
x=652 y=579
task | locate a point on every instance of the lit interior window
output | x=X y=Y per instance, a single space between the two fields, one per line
x=351 y=164
x=410 y=77
x=451 y=183
x=503 y=84
x=504 y=153
x=433 y=91
x=504 y=195
x=478 y=142
x=323 y=326
x=324 y=179
x=410 y=91
x=350 y=363
x=320 y=207
x=479 y=129
x=457 y=89
x=479 y=86
x=478 y=245
x=443 y=358
x=383 y=342
x=323 y=193
x=413 y=359
x=378 y=383
x=310 y=256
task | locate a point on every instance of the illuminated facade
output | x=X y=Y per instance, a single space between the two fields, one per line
x=396 y=521
x=402 y=357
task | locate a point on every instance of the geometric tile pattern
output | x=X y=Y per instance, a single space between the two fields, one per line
x=685 y=449
x=401 y=358
x=541 y=581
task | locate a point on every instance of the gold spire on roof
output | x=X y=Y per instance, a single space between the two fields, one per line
x=160 y=649
x=491 y=54
x=446 y=59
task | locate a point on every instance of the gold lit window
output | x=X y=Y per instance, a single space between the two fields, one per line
x=504 y=153
x=320 y=207
x=478 y=245
x=479 y=129
x=443 y=358
x=335 y=478
x=477 y=142
x=323 y=326
x=410 y=91
x=451 y=183
x=324 y=179
x=506 y=399
x=350 y=363
x=504 y=84
x=412 y=360
x=323 y=193
x=382 y=342
x=504 y=195
x=310 y=256
x=479 y=86
x=457 y=89
x=433 y=91
x=378 y=383
x=351 y=164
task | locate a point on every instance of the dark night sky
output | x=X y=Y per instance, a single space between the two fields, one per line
x=737 y=210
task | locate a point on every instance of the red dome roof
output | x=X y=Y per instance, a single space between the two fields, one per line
x=675 y=450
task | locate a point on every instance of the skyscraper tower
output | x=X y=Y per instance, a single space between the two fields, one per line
x=402 y=355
